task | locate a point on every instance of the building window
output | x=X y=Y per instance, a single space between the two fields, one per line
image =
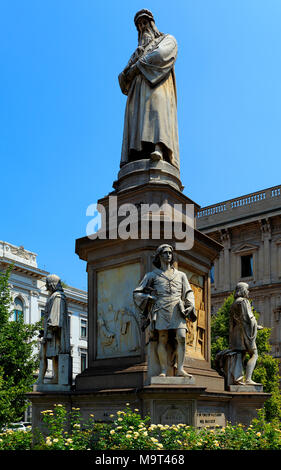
x=83 y=328
x=247 y=266
x=18 y=310
x=83 y=359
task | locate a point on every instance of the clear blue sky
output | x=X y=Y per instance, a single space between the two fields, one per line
x=61 y=109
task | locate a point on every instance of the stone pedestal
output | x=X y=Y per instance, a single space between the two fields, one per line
x=246 y=388
x=165 y=404
x=118 y=350
x=172 y=381
x=139 y=172
x=64 y=377
x=49 y=387
x=65 y=369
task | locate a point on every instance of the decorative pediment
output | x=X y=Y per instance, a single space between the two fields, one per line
x=245 y=248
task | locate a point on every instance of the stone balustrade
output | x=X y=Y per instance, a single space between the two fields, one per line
x=246 y=200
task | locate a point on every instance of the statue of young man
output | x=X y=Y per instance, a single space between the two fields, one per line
x=166 y=296
x=150 y=126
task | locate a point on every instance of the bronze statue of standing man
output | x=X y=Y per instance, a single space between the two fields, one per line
x=150 y=127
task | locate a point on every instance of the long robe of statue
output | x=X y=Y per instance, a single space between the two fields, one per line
x=151 y=109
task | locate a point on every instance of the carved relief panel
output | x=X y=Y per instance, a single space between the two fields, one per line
x=118 y=325
x=196 y=335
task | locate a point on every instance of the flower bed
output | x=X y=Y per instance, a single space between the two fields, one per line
x=129 y=431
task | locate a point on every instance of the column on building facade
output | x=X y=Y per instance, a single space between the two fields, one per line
x=278 y=248
x=220 y=270
x=238 y=267
x=233 y=278
x=226 y=242
x=276 y=258
x=266 y=238
x=266 y=312
x=216 y=273
x=34 y=308
x=277 y=321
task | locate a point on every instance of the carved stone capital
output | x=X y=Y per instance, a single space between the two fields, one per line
x=265 y=227
x=225 y=237
x=277 y=313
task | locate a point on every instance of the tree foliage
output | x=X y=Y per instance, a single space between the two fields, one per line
x=267 y=367
x=18 y=361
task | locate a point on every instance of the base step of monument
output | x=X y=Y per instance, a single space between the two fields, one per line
x=51 y=388
x=156 y=380
x=246 y=388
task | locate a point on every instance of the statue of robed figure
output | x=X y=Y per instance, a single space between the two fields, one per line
x=150 y=126
x=56 y=335
x=243 y=330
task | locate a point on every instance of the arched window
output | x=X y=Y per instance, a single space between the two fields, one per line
x=18 y=310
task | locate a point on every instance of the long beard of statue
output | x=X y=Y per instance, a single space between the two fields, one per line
x=146 y=37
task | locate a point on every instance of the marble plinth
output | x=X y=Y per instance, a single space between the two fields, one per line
x=246 y=388
x=51 y=388
x=145 y=171
x=156 y=380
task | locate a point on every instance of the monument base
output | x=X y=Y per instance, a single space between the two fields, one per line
x=165 y=404
x=51 y=388
x=171 y=380
x=246 y=388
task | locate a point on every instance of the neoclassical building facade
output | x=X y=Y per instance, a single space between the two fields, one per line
x=249 y=228
x=27 y=284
